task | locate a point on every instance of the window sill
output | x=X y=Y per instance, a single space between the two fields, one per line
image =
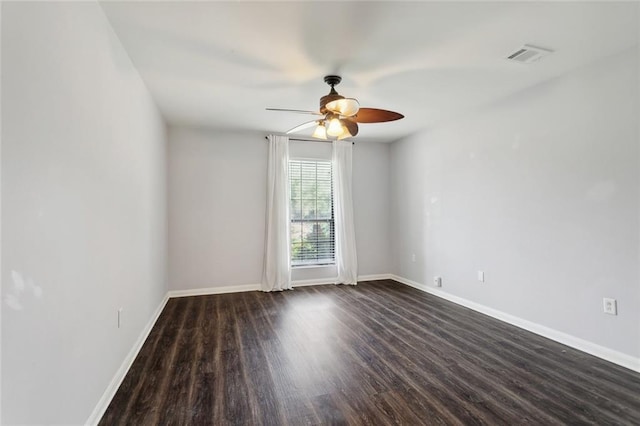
x=325 y=265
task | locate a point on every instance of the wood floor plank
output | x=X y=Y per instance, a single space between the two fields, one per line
x=130 y=388
x=466 y=401
x=379 y=353
x=203 y=382
x=448 y=356
x=547 y=369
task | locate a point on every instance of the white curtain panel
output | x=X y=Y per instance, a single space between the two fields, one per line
x=276 y=275
x=346 y=259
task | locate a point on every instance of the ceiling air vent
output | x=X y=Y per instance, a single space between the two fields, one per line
x=527 y=54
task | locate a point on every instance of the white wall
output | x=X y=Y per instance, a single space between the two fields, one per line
x=83 y=210
x=541 y=191
x=0 y=214
x=217 y=194
x=216 y=208
x=371 y=207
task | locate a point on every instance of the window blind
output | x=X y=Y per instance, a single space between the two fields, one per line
x=311 y=208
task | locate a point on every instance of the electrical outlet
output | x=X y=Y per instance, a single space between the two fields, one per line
x=610 y=306
x=437 y=281
x=481 y=276
x=413 y=257
x=120 y=317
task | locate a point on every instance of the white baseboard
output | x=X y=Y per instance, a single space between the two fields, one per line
x=594 y=349
x=111 y=390
x=257 y=287
x=375 y=277
x=214 y=290
x=324 y=281
x=319 y=281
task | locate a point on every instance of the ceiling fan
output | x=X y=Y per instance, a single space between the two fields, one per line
x=339 y=116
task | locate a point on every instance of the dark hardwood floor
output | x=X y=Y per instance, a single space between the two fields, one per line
x=378 y=353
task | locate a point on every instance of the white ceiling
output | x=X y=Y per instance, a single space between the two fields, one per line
x=219 y=64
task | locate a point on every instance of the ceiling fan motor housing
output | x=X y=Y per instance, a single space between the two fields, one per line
x=331 y=80
x=332 y=96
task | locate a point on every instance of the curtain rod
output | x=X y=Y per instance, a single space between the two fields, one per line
x=310 y=140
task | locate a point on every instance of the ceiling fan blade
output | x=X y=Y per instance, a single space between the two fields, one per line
x=298 y=111
x=374 y=115
x=346 y=107
x=303 y=126
x=351 y=126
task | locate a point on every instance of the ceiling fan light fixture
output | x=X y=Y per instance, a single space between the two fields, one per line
x=345 y=133
x=347 y=107
x=340 y=115
x=320 y=132
x=335 y=127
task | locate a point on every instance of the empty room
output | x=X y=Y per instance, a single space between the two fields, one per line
x=320 y=213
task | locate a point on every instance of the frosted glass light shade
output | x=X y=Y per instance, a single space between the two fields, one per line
x=320 y=132
x=347 y=107
x=335 y=127
x=345 y=133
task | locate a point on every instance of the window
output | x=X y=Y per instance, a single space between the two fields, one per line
x=312 y=228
